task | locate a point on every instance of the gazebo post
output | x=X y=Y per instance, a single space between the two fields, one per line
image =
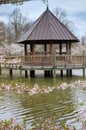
x=60 y=52
x=60 y=48
x=26 y=58
x=45 y=48
x=32 y=50
x=25 y=49
x=66 y=48
x=51 y=48
x=69 y=48
x=70 y=72
x=68 y=51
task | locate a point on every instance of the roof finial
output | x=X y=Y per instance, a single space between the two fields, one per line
x=47 y=4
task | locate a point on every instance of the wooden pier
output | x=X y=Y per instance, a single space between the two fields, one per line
x=48 y=63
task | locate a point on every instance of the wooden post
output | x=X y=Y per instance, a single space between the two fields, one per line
x=51 y=47
x=66 y=48
x=25 y=49
x=26 y=74
x=10 y=73
x=51 y=73
x=61 y=73
x=69 y=48
x=32 y=49
x=45 y=48
x=67 y=72
x=0 y=70
x=70 y=72
x=54 y=64
x=83 y=63
x=32 y=73
x=83 y=71
x=60 y=48
x=48 y=73
x=45 y=73
x=21 y=65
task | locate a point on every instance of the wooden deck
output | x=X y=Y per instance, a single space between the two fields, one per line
x=44 y=62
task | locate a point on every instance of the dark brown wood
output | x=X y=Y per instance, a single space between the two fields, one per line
x=61 y=73
x=32 y=73
x=60 y=48
x=70 y=72
x=25 y=49
x=51 y=48
x=66 y=48
x=26 y=73
x=11 y=73
x=69 y=48
x=45 y=48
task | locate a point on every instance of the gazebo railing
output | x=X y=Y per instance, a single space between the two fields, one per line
x=54 y=60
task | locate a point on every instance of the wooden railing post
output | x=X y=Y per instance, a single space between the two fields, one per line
x=84 y=58
x=83 y=63
x=21 y=64
x=54 y=63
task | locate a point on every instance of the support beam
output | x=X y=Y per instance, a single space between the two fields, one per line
x=83 y=71
x=48 y=73
x=25 y=49
x=51 y=48
x=33 y=49
x=69 y=48
x=70 y=72
x=45 y=48
x=45 y=73
x=67 y=72
x=61 y=73
x=60 y=48
x=11 y=73
x=32 y=73
x=26 y=73
x=66 y=48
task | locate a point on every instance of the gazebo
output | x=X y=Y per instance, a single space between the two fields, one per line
x=47 y=31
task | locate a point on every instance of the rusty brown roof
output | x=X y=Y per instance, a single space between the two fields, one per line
x=47 y=28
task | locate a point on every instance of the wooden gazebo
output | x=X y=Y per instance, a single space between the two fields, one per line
x=47 y=30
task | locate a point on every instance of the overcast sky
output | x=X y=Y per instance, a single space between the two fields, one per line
x=76 y=11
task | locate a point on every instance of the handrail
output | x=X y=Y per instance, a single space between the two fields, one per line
x=46 y=60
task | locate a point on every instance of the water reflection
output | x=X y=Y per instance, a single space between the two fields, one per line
x=20 y=106
x=62 y=104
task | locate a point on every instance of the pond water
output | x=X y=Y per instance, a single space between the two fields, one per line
x=64 y=105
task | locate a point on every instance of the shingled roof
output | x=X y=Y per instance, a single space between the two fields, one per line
x=47 y=28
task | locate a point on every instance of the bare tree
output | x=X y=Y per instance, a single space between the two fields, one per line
x=17 y=24
x=3 y=32
x=15 y=1
x=62 y=16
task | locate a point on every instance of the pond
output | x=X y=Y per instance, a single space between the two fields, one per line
x=65 y=105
